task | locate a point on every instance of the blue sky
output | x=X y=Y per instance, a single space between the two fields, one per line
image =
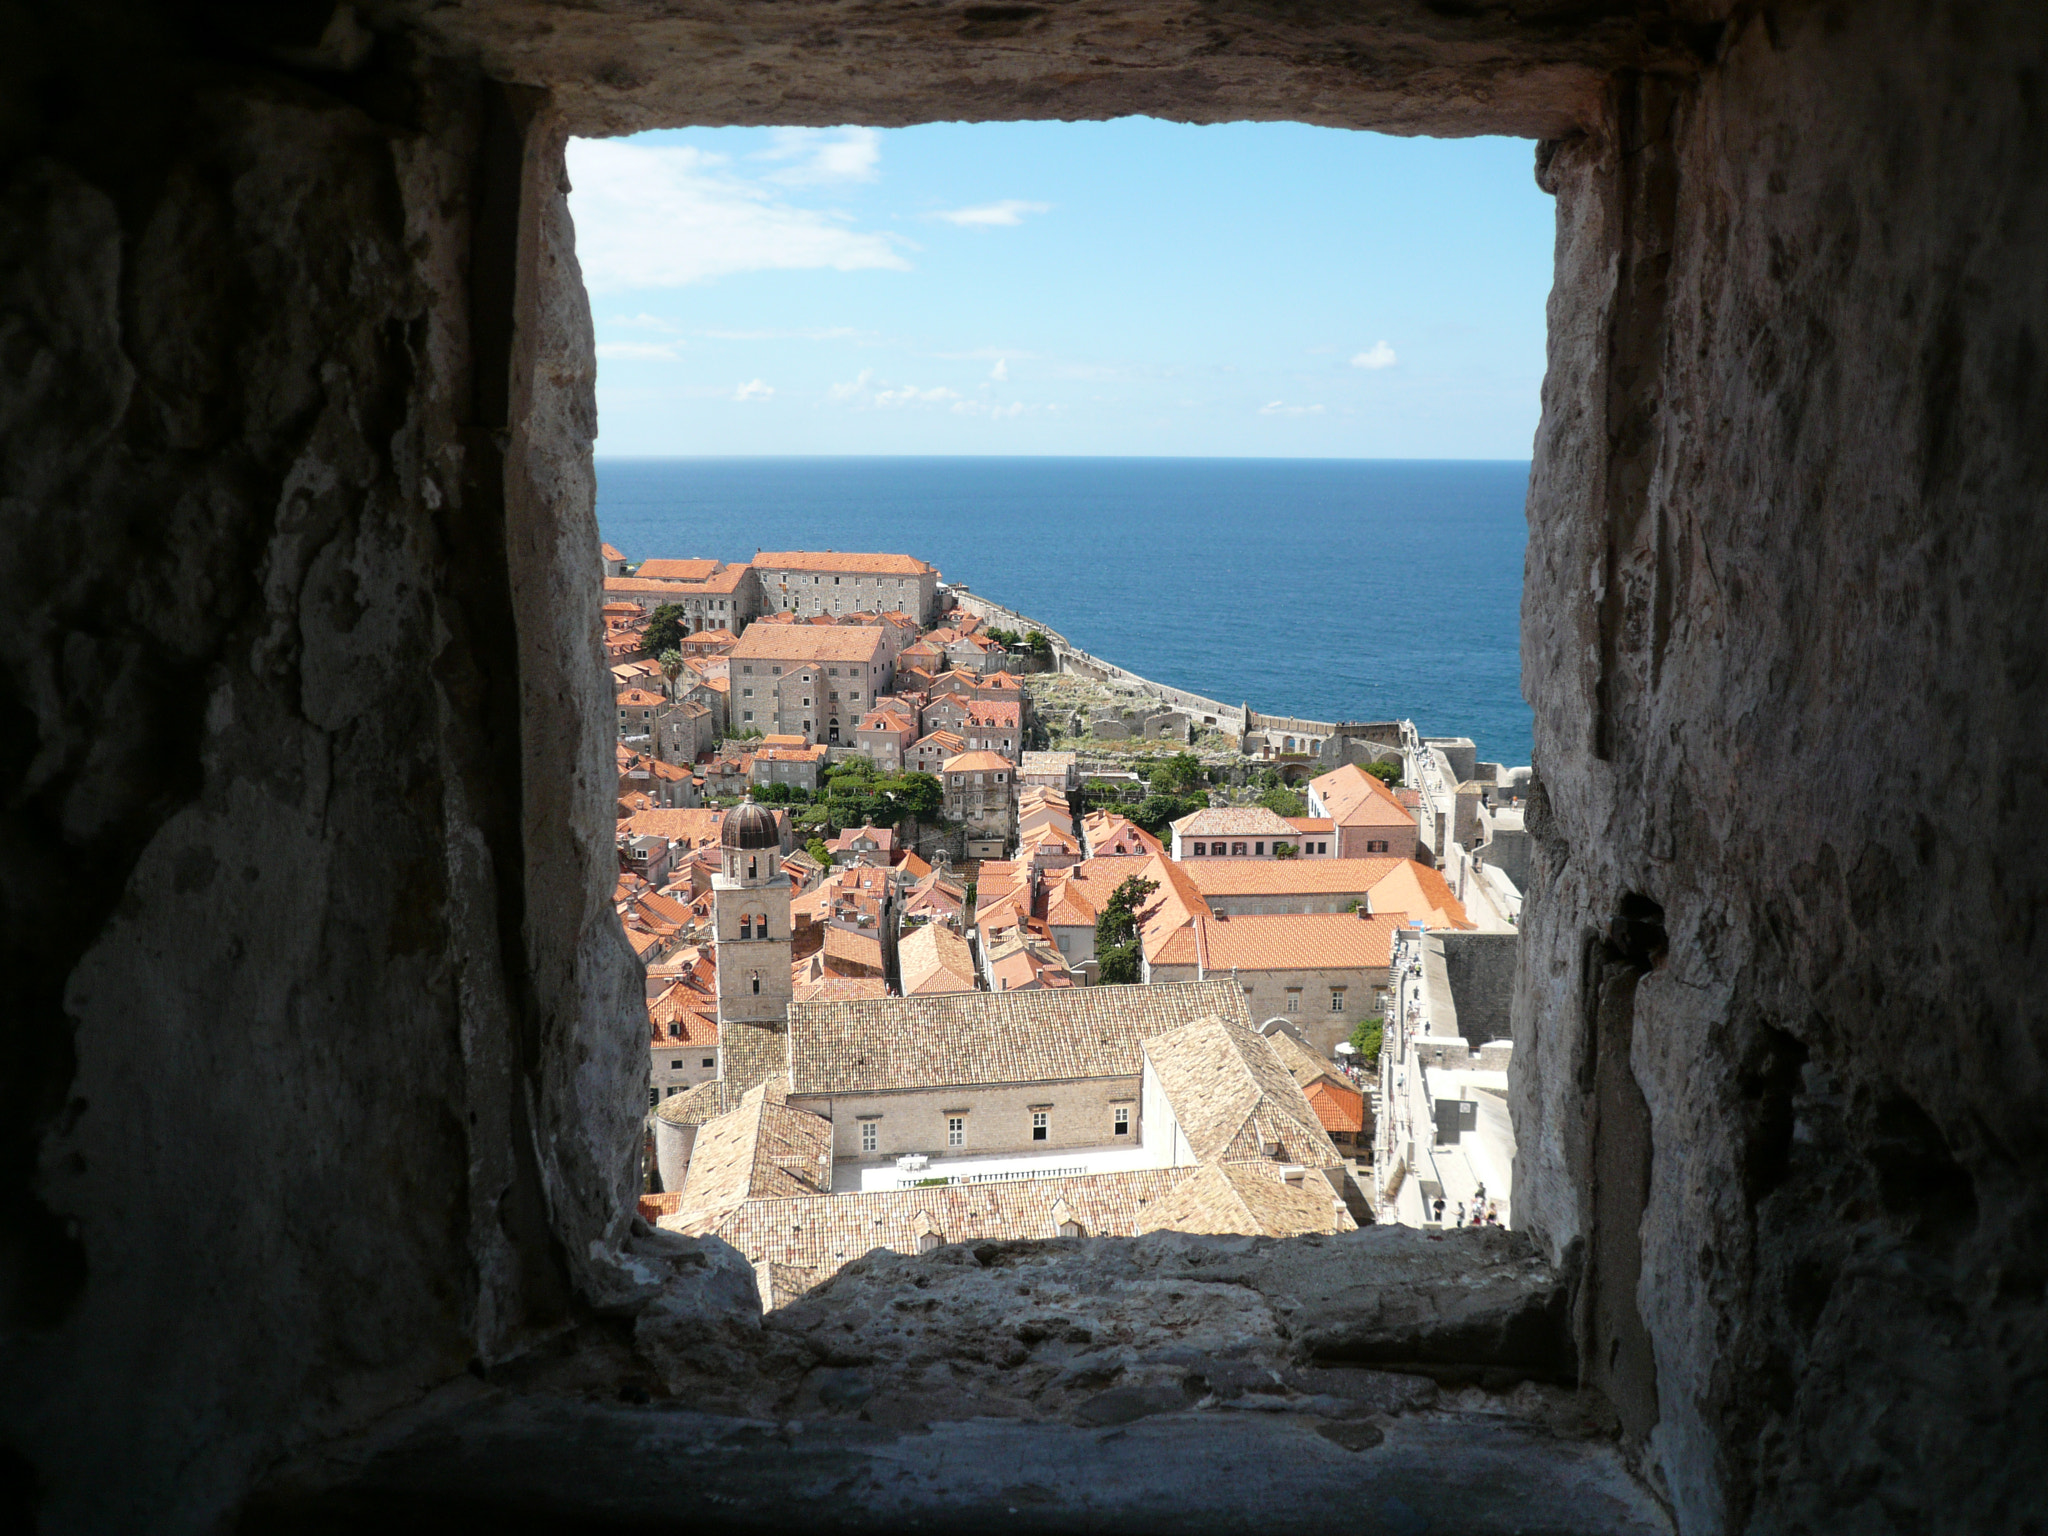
x=1131 y=287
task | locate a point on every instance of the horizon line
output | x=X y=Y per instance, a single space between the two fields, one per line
x=1237 y=458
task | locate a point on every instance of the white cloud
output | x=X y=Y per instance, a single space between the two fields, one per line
x=754 y=389
x=823 y=155
x=992 y=412
x=1282 y=408
x=866 y=392
x=650 y=351
x=1380 y=356
x=1001 y=371
x=1010 y=211
x=661 y=216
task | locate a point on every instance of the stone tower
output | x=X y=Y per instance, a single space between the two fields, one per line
x=750 y=921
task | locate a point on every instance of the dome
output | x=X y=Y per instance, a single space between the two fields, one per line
x=748 y=825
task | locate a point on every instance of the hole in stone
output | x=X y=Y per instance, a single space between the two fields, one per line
x=816 y=268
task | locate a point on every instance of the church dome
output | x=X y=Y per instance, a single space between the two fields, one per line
x=748 y=825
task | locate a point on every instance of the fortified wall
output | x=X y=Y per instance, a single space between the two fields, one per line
x=321 y=1096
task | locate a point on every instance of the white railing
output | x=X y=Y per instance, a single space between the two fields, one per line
x=1004 y=1176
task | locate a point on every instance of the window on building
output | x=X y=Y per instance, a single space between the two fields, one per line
x=1376 y=846
x=675 y=1065
x=653 y=1097
x=870 y=1136
x=1259 y=849
x=956 y=1130
x=746 y=693
x=747 y=714
x=1336 y=999
x=1294 y=999
x=1201 y=849
x=1041 y=1125
x=756 y=978
x=1122 y=1125
x=1237 y=849
x=672 y=1090
x=749 y=671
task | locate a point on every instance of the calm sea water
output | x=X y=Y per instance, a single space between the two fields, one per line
x=1336 y=589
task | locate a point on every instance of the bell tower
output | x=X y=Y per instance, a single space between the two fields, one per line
x=750 y=921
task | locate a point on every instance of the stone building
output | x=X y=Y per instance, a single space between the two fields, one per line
x=813 y=681
x=1367 y=817
x=750 y=924
x=1235 y=832
x=808 y=582
x=980 y=790
x=712 y=594
x=1320 y=973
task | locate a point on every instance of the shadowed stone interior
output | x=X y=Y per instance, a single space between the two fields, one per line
x=318 y=1108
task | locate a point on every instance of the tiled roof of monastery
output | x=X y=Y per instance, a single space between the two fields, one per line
x=1302 y=1064
x=966 y=1038
x=826 y=1232
x=1234 y=1098
x=1249 y=1200
x=762 y=1149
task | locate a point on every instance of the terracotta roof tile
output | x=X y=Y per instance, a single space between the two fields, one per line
x=1358 y=799
x=829 y=561
x=1233 y=1098
x=1297 y=941
x=817 y=1236
x=677 y=570
x=935 y=959
x=1287 y=877
x=1248 y=1200
x=958 y=1039
x=760 y=1149
x=801 y=643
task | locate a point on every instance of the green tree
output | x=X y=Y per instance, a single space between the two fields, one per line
x=666 y=627
x=1365 y=1040
x=1285 y=850
x=816 y=849
x=1179 y=774
x=1006 y=638
x=1285 y=802
x=1269 y=778
x=1156 y=812
x=1117 y=954
x=919 y=794
x=1388 y=774
x=1037 y=644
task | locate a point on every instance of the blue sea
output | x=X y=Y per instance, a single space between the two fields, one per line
x=1336 y=589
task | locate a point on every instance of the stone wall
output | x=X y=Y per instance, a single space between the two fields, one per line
x=1780 y=1062
x=317 y=1101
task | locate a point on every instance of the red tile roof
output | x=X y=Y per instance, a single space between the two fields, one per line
x=829 y=561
